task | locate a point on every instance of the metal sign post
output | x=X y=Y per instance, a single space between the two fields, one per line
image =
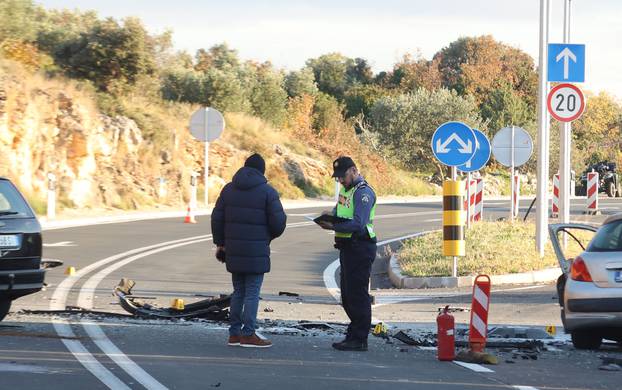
x=564 y=143
x=542 y=197
x=206 y=124
x=512 y=159
x=51 y=206
x=512 y=147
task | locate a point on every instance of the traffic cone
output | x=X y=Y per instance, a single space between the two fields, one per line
x=190 y=216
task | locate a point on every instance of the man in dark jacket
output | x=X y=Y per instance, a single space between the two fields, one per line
x=248 y=215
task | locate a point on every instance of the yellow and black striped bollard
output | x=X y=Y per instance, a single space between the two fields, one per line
x=453 y=218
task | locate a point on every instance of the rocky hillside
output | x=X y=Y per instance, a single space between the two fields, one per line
x=48 y=126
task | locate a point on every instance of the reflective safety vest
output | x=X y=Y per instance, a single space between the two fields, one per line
x=345 y=209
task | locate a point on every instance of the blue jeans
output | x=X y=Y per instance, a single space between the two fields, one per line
x=244 y=303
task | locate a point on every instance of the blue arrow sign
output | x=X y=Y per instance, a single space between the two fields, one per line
x=453 y=143
x=566 y=62
x=481 y=156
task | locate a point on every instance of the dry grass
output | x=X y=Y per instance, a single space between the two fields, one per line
x=491 y=248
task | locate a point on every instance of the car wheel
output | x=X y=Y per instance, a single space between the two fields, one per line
x=586 y=339
x=611 y=189
x=5 y=305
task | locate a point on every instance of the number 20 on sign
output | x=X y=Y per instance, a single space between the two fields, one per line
x=566 y=102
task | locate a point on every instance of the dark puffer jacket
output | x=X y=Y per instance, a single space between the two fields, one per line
x=247 y=216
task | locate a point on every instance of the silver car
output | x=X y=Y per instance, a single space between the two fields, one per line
x=590 y=288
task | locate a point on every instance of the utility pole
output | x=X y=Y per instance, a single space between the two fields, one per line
x=542 y=206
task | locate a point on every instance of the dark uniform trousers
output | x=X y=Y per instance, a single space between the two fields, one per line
x=356 y=258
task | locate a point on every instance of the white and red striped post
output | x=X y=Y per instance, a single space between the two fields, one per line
x=478 y=329
x=592 y=192
x=515 y=196
x=555 y=198
x=469 y=200
x=478 y=208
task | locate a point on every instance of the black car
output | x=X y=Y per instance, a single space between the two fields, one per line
x=20 y=247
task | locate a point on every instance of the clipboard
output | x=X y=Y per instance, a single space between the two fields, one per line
x=331 y=219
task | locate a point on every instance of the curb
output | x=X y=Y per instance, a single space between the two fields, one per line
x=400 y=280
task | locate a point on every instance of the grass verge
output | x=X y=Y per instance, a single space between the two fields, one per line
x=492 y=248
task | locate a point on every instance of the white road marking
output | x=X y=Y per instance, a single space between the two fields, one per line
x=63 y=327
x=473 y=367
x=62 y=243
x=525 y=388
x=329 y=272
x=85 y=300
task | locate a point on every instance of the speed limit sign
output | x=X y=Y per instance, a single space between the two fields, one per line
x=566 y=102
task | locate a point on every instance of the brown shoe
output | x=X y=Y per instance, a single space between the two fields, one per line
x=254 y=341
x=234 y=341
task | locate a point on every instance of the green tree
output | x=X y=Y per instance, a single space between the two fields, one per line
x=597 y=135
x=268 y=97
x=225 y=90
x=330 y=72
x=403 y=125
x=301 y=82
x=17 y=21
x=360 y=98
x=478 y=65
x=110 y=55
x=359 y=72
x=504 y=107
x=218 y=56
x=327 y=112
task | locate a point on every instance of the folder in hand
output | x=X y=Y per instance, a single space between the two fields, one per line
x=330 y=219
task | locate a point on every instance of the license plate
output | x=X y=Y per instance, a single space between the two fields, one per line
x=9 y=241
x=617 y=276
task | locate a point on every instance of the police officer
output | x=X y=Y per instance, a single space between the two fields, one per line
x=356 y=241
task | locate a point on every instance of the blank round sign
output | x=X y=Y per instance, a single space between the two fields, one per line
x=206 y=124
x=502 y=146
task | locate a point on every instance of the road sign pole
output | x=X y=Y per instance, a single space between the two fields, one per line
x=468 y=208
x=454 y=270
x=512 y=168
x=206 y=157
x=565 y=144
x=543 y=131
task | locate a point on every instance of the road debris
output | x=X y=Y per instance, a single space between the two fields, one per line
x=211 y=309
x=288 y=294
x=610 y=367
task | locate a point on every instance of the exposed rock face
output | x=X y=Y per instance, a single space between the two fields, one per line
x=95 y=158
x=103 y=161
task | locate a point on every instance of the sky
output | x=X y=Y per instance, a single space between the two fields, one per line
x=288 y=32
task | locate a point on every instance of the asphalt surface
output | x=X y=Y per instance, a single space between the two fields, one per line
x=77 y=352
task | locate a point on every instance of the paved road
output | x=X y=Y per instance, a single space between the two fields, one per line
x=188 y=355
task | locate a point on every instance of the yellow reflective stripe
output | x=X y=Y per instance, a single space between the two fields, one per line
x=454 y=217
x=454 y=248
x=453 y=188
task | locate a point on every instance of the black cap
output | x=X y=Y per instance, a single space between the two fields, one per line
x=341 y=165
x=257 y=162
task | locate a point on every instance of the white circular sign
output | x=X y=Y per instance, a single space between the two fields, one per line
x=566 y=102
x=206 y=124
x=502 y=146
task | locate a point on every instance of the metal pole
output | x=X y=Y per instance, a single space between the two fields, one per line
x=206 y=174
x=206 y=200
x=512 y=184
x=454 y=272
x=468 y=210
x=565 y=145
x=543 y=131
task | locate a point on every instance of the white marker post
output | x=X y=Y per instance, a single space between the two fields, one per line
x=51 y=207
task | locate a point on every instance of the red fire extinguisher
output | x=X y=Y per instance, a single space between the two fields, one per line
x=445 y=335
